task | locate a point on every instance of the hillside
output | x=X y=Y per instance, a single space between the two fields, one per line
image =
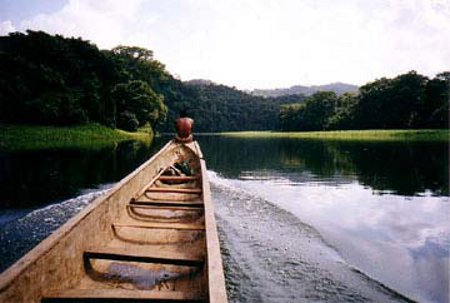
x=218 y=107
x=338 y=88
x=52 y=80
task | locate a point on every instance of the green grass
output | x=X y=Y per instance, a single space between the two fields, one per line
x=26 y=137
x=353 y=135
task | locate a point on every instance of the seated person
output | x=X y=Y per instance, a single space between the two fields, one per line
x=184 y=127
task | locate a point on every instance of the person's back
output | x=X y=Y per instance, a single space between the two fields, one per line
x=184 y=127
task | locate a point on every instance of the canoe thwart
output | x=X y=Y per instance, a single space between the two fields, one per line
x=164 y=207
x=167 y=203
x=142 y=255
x=178 y=178
x=142 y=191
x=160 y=225
x=174 y=190
x=121 y=295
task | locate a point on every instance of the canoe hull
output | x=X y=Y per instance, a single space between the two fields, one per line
x=61 y=262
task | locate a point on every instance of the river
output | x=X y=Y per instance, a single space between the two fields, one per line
x=299 y=220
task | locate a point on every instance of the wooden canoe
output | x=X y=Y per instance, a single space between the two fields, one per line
x=151 y=238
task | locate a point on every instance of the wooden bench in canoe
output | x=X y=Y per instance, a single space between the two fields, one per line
x=151 y=238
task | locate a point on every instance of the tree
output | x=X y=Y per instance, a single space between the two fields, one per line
x=135 y=52
x=392 y=103
x=136 y=100
x=435 y=113
x=48 y=79
x=290 y=115
x=318 y=108
x=311 y=115
x=128 y=121
x=408 y=100
x=373 y=104
x=344 y=116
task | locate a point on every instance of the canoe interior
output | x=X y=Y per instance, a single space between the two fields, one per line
x=151 y=238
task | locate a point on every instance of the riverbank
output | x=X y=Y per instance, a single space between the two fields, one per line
x=435 y=135
x=26 y=137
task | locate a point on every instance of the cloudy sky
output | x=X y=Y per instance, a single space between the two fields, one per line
x=257 y=43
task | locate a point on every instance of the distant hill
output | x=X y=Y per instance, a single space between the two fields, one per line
x=199 y=82
x=338 y=88
x=217 y=107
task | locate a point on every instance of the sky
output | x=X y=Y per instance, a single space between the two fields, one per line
x=257 y=43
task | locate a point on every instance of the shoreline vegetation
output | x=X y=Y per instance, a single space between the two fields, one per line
x=415 y=135
x=31 y=137
x=28 y=137
x=127 y=88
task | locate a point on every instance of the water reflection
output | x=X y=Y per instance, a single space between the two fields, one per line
x=399 y=234
x=401 y=241
x=32 y=178
x=400 y=168
x=383 y=206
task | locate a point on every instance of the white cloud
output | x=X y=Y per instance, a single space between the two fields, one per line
x=267 y=43
x=105 y=23
x=6 y=27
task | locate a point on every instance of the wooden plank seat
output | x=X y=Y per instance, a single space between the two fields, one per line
x=160 y=225
x=178 y=178
x=167 y=203
x=163 y=207
x=144 y=255
x=174 y=190
x=120 y=295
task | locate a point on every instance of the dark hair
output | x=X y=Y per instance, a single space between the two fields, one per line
x=183 y=113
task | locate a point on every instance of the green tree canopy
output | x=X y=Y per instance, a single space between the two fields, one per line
x=404 y=102
x=46 y=79
x=138 y=99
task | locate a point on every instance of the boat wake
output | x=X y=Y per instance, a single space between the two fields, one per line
x=272 y=256
x=20 y=235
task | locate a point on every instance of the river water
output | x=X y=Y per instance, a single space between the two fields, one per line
x=299 y=220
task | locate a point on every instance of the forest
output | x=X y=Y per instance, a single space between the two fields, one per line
x=52 y=80
x=408 y=101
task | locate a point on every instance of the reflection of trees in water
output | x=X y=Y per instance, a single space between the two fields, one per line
x=39 y=177
x=320 y=158
x=407 y=169
x=404 y=168
x=33 y=178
